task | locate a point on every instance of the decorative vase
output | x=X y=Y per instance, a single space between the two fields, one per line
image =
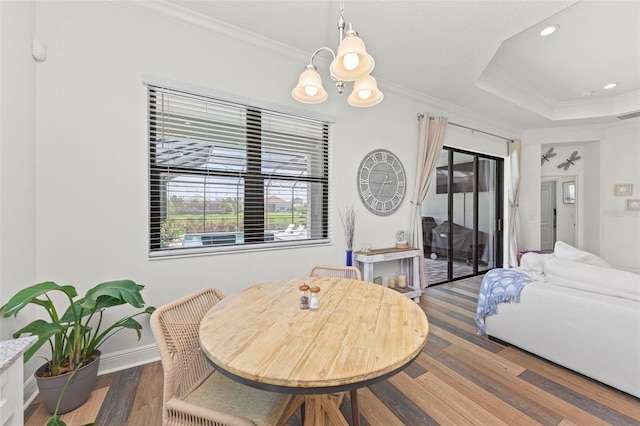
x=349 y=257
x=77 y=391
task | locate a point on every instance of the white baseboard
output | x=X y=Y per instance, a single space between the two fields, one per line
x=109 y=363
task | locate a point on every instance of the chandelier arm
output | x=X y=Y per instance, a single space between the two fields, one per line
x=313 y=55
x=339 y=83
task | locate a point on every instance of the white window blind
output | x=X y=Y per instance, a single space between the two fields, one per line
x=225 y=175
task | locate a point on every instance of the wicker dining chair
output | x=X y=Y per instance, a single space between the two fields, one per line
x=350 y=272
x=194 y=392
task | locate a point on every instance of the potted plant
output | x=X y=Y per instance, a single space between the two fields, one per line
x=74 y=337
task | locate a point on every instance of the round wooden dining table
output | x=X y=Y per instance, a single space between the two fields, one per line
x=361 y=334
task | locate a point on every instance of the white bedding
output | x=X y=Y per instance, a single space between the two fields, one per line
x=595 y=279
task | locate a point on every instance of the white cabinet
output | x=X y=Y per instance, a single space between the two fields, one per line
x=11 y=382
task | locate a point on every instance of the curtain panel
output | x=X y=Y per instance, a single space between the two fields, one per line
x=515 y=225
x=430 y=141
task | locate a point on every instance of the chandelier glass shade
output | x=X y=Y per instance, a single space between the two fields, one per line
x=309 y=89
x=350 y=63
x=352 y=60
x=365 y=93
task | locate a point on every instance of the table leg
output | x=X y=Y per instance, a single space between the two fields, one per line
x=321 y=410
x=368 y=272
x=415 y=276
x=355 y=411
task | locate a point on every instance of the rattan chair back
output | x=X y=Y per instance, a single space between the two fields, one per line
x=331 y=271
x=175 y=327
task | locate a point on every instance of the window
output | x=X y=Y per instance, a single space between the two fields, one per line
x=226 y=176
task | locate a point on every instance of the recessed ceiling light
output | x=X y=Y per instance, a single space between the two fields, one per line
x=549 y=30
x=587 y=93
x=610 y=85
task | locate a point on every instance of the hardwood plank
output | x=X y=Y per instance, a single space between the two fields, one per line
x=415 y=370
x=148 y=401
x=464 y=405
x=488 y=360
x=442 y=411
x=457 y=336
x=613 y=398
x=432 y=303
x=456 y=301
x=509 y=392
x=476 y=393
x=85 y=414
x=584 y=403
x=116 y=410
x=472 y=298
x=516 y=385
x=437 y=341
x=403 y=408
x=375 y=411
x=449 y=319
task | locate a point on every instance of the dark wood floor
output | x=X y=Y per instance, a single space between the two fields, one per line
x=459 y=379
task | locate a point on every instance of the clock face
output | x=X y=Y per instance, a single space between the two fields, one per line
x=381 y=182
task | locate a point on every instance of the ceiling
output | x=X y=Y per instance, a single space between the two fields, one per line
x=486 y=57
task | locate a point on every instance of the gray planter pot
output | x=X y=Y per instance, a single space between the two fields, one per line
x=77 y=391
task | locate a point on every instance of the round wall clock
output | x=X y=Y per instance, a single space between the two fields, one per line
x=381 y=182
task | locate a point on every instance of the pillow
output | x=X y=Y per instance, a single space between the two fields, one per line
x=594 y=279
x=531 y=264
x=565 y=251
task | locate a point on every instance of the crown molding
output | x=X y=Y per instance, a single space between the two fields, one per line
x=178 y=14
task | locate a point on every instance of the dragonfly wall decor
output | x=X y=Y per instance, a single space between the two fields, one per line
x=549 y=154
x=570 y=161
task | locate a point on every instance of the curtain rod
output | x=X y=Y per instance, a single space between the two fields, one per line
x=420 y=115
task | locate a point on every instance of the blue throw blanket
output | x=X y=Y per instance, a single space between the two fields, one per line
x=498 y=286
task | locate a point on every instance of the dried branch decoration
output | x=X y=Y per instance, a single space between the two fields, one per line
x=349 y=224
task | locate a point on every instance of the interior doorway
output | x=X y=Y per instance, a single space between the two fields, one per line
x=558 y=218
x=462 y=216
x=547 y=215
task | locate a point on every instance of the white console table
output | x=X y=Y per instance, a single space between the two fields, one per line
x=410 y=266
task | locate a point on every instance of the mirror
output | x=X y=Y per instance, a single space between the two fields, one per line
x=569 y=192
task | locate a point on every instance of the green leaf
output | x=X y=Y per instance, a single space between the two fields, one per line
x=55 y=420
x=123 y=291
x=44 y=330
x=30 y=294
x=70 y=316
x=131 y=323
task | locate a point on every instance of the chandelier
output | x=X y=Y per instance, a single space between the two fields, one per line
x=350 y=63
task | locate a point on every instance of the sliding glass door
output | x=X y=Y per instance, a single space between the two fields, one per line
x=462 y=216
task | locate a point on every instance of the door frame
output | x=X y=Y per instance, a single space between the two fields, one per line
x=499 y=208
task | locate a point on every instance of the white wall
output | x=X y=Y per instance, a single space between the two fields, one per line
x=89 y=162
x=620 y=164
x=610 y=155
x=17 y=147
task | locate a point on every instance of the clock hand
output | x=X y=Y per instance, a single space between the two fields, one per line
x=383 y=183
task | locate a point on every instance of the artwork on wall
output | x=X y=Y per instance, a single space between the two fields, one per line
x=633 y=205
x=623 y=189
x=545 y=157
x=571 y=161
x=569 y=192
